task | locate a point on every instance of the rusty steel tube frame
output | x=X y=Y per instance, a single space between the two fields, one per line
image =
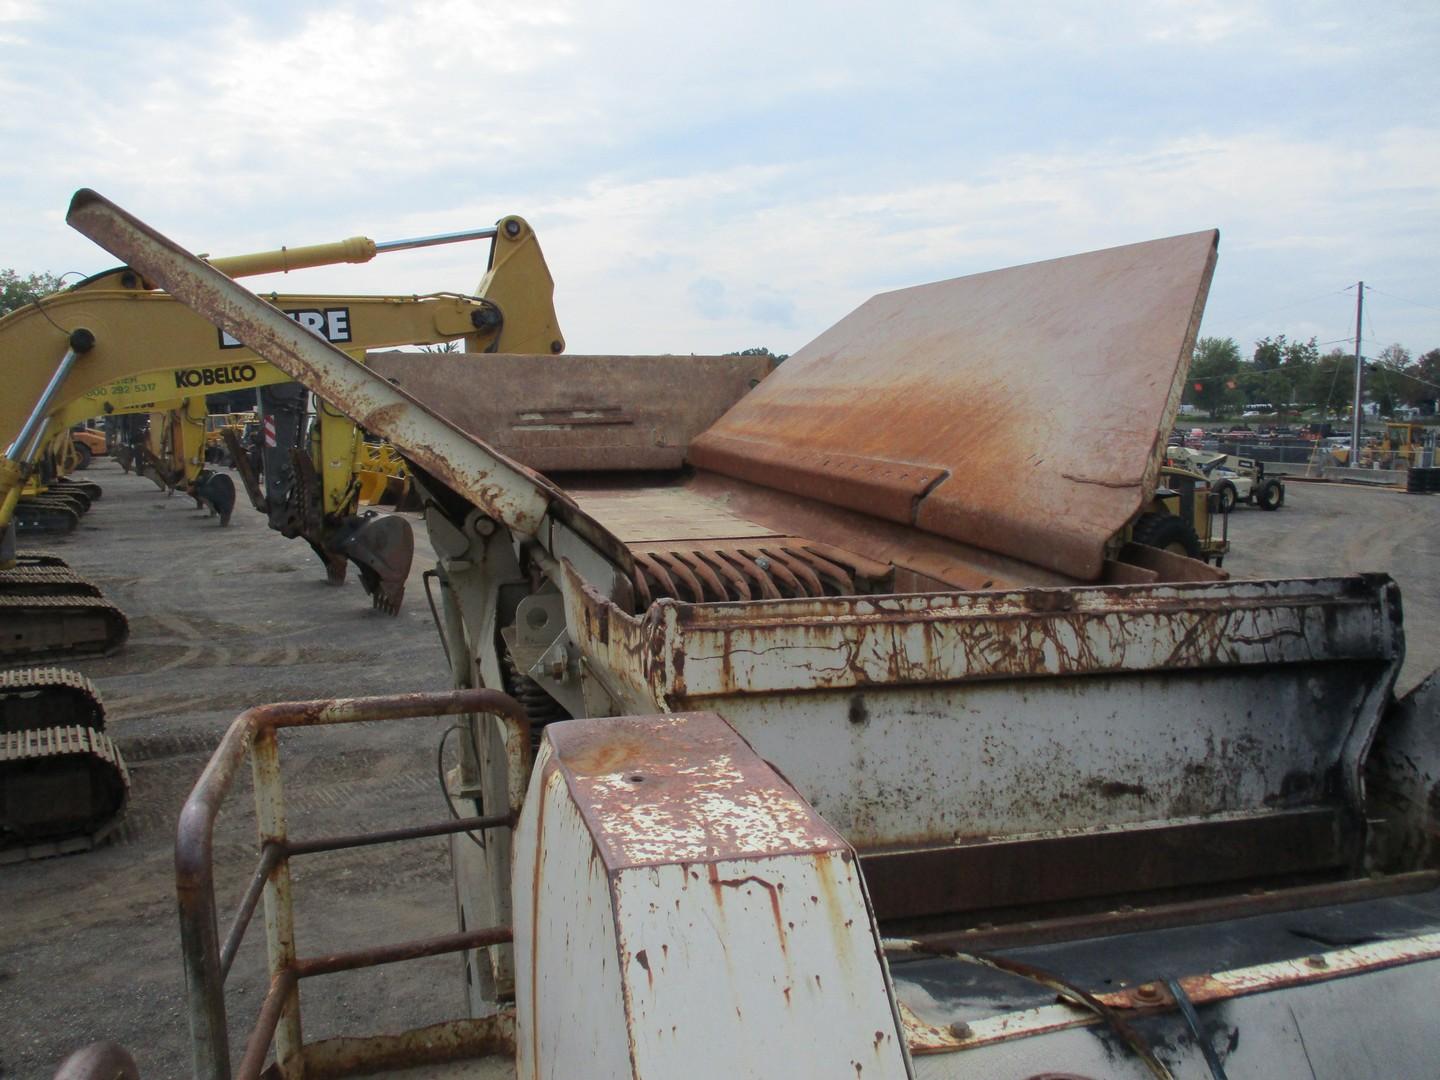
x=273 y=852
x=254 y=731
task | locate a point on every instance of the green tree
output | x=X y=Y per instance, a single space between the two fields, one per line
x=760 y=350
x=1283 y=369
x=1301 y=353
x=17 y=291
x=1384 y=379
x=1330 y=381
x=1214 y=367
x=1419 y=382
x=1269 y=353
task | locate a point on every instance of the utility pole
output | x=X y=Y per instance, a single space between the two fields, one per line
x=1359 y=375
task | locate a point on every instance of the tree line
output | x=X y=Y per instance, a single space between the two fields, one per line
x=1294 y=375
x=17 y=290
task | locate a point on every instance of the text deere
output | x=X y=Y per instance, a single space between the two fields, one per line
x=332 y=324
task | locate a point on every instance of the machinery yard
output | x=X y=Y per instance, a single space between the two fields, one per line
x=800 y=727
x=225 y=619
x=656 y=543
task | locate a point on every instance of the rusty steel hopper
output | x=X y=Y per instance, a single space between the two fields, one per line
x=985 y=432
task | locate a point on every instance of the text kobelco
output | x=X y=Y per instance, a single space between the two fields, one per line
x=332 y=324
x=234 y=374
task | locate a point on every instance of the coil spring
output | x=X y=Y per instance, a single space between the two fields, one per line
x=539 y=706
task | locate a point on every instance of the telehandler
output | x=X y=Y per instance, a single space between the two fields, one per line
x=1235 y=479
x=1181 y=516
x=861 y=752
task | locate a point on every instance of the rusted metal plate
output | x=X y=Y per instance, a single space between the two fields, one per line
x=681 y=788
x=920 y=720
x=1020 y=410
x=645 y=514
x=1321 y=968
x=691 y=652
x=558 y=413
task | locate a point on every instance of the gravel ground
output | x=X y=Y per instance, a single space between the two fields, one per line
x=225 y=619
x=221 y=620
x=1328 y=529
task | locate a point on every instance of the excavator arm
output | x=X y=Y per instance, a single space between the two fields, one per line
x=150 y=353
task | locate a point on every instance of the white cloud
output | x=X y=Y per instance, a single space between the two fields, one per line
x=776 y=163
x=19 y=10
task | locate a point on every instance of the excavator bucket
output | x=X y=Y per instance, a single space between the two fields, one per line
x=383 y=547
x=216 y=491
x=240 y=458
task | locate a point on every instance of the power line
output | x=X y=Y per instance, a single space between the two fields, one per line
x=1412 y=303
x=1297 y=303
x=1395 y=369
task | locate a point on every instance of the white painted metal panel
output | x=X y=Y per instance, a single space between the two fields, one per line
x=754 y=968
x=570 y=1011
x=681 y=911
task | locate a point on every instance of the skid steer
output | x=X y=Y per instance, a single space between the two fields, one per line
x=855 y=750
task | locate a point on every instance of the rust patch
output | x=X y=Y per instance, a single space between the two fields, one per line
x=1114 y=789
x=383 y=418
x=717 y=883
x=643 y=959
x=705 y=796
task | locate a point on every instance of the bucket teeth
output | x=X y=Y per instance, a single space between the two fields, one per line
x=384 y=599
x=383 y=547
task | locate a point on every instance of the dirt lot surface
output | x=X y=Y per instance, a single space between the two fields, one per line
x=224 y=619
x=1329 y=529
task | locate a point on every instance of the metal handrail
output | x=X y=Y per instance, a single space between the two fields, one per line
x=207 y=963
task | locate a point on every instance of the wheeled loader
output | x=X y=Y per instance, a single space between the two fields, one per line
x=834 y=745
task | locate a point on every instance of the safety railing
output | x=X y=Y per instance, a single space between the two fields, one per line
x=208 y=960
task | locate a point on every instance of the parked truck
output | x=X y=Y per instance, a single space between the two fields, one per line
x=808 y=736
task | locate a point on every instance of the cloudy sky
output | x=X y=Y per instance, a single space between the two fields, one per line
x=707 y=177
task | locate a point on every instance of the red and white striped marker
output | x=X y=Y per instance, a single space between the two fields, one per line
x=269 y=431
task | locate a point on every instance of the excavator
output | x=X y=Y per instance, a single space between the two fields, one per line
x=316 y=500
x=127 y=348
x=52 y=499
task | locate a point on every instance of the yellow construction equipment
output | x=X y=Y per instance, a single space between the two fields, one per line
x=87 y=444
x=62 y=783
x=1181 y=516
x=216 y=424
x=316 y=500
